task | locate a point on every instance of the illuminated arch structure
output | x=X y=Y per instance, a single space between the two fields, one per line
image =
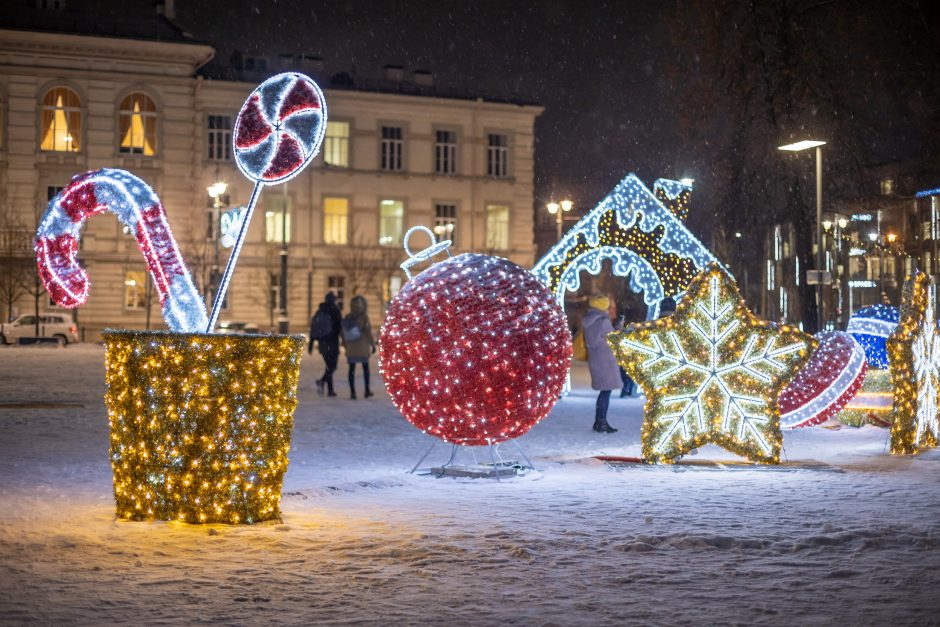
x=642 y=233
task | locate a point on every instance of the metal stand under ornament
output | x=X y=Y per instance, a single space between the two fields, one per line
x=497 y=467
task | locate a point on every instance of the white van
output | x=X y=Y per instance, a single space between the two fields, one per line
x=55 y=325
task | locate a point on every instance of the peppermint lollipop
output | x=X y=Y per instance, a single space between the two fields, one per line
x=278 y=131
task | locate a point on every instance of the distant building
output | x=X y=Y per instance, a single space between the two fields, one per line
x=78 y=94
x=871 y=243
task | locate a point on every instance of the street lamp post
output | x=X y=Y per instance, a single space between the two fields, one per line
x=216 y=192
x=559 y=210
x=796 y=147
x=283 y=323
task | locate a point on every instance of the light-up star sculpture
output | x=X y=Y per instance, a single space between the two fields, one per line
x=914 y=350
x=712 y=373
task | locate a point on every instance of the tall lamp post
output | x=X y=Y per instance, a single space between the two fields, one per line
x=217 y=193
x=559 y=210
x=796 y=147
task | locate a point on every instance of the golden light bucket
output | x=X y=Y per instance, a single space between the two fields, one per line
x=200 y=424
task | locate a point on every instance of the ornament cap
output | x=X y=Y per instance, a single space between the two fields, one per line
x=425 y=254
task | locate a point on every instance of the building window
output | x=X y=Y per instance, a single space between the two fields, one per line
x=337 y=285
x=497 y=227
x=61 y=122
x=390 y=288
x=50 y=5
x=137 y=119
x=392 y=148
x=445 y=222
x=277 y=220
x=219 y=137
x=392 y=217
x=52 y=191
x=335 y=220
x=135 y=289
x=445 y=152
x=497 y=155
x=887 y=186
x=336 y=144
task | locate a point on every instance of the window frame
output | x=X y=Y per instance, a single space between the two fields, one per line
x=401 y=226
x=507 y=171
x=339 y=290
x=455 y=220
x=278 y=215
x=323 y=230
x=80 y=110
x=143 y=291
x=326 y=144
x=452 y=147
x=400 y=141
x=486 y=225
x=227 y=142
x=154 y=115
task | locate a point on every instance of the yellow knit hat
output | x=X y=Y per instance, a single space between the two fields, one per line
x=599 y=302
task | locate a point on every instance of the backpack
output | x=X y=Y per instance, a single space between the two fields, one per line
x=321 y=326
x=351 y=330
x=579 y=348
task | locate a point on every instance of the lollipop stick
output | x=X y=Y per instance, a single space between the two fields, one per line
x=230 y=266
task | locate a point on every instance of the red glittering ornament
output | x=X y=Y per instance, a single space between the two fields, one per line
x=475 y=350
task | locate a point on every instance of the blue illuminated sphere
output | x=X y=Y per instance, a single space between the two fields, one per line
x=871 y=326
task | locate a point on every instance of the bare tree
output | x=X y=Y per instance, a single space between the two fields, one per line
x=16 y=262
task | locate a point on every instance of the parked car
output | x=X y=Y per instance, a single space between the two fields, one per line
x=55 y=325
x=233 y=326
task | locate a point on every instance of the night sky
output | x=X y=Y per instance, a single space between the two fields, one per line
x=597 y=68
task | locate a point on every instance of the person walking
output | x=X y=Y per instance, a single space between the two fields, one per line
x=357 y=337
x=325 y=326
x=605 y=373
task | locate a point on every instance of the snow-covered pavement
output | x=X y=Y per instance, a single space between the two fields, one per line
x=854 y=539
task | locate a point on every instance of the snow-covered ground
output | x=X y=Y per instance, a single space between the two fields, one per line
x=854 y=539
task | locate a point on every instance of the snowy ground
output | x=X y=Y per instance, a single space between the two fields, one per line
x=854 y=540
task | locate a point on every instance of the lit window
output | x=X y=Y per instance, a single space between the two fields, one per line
x=336 y=144
x=445 y=222
x=390 y=287
x=61 y=121
x=497 y=227
x=392 y=215
x=219 y=138
x=277 y=220
x=335 y=216
x=138 y=125
x=497 y=155
x=392 y=148
x=445 y=152
x=337 y=285
x=887 y=186
x=135 y=290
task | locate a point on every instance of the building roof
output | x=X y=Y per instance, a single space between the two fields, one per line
x=128 y=19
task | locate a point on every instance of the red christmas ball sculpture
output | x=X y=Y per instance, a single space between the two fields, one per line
x=474 y=350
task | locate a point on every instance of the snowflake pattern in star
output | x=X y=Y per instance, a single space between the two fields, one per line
x=914 y=350
x=712 y=373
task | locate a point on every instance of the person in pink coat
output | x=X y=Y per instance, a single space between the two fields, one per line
x=605 y=372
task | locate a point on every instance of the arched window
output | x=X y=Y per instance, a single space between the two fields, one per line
x=137 y=121
x=61 y=122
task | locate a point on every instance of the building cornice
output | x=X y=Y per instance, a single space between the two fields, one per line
x=82 y=52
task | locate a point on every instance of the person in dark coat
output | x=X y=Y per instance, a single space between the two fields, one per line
x=605 y=372
x=359 y=349
x=327 y=344
x=626 y=317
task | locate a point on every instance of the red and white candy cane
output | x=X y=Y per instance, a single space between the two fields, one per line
x=138 y=208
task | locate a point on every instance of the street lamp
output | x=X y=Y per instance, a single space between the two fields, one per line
x=559 y=210
x=216 y=191
x=796 y=147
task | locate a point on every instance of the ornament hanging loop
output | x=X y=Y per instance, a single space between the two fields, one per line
x=422 y=255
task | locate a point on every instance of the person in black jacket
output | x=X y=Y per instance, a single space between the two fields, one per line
x=325 y=327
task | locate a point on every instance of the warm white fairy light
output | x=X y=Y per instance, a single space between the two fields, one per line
x=914 y=350
x=642 y=238
x=711 y=372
